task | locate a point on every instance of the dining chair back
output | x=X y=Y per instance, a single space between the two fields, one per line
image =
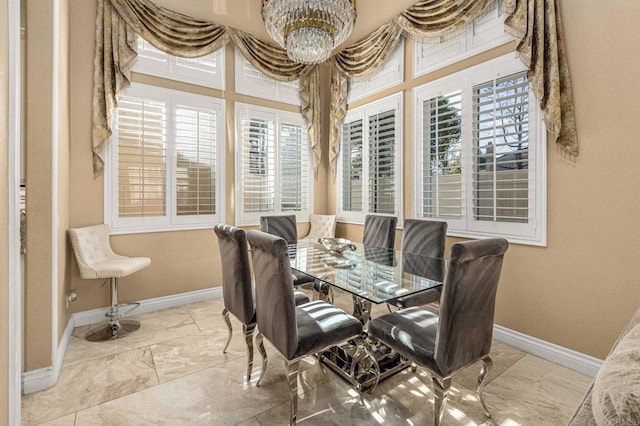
x=379 y=231
x=425 y=238
x=283 y=226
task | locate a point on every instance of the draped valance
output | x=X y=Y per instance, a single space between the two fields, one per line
x=534 y=23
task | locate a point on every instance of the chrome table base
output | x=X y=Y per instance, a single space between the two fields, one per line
x=363 y=368
x=366 y=364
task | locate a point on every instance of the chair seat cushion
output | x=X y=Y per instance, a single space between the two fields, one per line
x=119 y=266
x=321 y=324
x=300 y=298
x=411 y=332
x=424 y=297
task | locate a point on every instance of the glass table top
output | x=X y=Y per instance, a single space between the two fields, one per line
x=375 y=274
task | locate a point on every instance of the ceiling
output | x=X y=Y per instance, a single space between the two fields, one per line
x=245 y=14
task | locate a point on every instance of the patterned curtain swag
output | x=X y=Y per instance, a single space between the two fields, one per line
x=535 y=24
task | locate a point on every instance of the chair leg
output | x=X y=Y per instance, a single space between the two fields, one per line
x=441 y=391
x=487 y=364
x=292 y=378
x=225 y=315
x=248 y=337
x=263 y=353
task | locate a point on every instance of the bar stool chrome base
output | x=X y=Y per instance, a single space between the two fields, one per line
x=115 y=328
x=112 y=331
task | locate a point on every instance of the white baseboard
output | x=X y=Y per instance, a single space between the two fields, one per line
x=37 y=380
x=569 y=358
x=151 y=305
x=62 y=348
x=43 y=378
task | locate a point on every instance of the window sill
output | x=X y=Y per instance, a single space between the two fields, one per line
x=513 y=239
x=152 y=230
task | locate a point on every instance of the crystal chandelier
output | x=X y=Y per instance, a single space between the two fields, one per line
x=309 y=30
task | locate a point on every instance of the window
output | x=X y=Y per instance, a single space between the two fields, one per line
x=369 y=167
x=485 y=33
x=251 y=82
x=480 y=153
x=390 y=74
x=205 y=71
x=273 y=164
x=165 y=164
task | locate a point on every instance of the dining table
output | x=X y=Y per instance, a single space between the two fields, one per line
x=372 y=275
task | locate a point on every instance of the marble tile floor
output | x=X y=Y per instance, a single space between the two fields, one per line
x=173 y=372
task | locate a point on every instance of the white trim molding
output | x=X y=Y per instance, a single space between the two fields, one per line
x=37 y=380
x=151 y=305
x=566 y=357
x=43 y=378
x=15 y=281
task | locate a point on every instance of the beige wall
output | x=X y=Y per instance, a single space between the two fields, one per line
x=40 y=128
x=38 y=260
x=577 y=292
x=4 y=214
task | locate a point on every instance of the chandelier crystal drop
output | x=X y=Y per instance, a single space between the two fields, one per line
x=309 y=30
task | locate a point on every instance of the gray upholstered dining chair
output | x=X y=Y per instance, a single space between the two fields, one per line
x=425 y=238
x=461 y=333
x=294 y=332
x=237 y=288
x=379 y=231
x=285 y=227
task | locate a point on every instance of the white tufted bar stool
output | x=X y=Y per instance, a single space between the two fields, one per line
x=321 y=226
x=96 y=259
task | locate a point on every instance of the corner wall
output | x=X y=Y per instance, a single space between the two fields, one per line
x=47 y=257
x=181 y=261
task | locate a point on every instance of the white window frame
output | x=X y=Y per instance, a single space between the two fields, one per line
x=485 y=33
x=243 y=110
x=252 y=82
x=171 y=221
x=167 y=66
x=535 y=231
x=390 y=74
x=394 y=101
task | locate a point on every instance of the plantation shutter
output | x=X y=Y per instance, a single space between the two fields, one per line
x=205 y=70
x=142 y=138
x=195 y=141
x=352 y=166
x=441 y=157
x=258 y=165
x=295 y=170
x=501 y=150
x=382 y=162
